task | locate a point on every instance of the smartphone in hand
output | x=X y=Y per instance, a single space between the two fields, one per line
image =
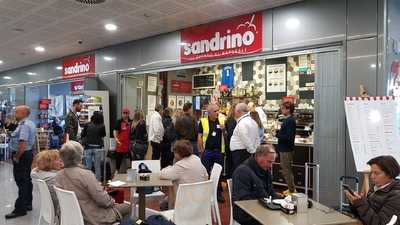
x=347 y=187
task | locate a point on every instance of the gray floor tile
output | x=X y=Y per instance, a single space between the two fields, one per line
x=8 y=194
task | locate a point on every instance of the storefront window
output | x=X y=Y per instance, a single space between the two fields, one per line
x=393 y=48
x=33 y=95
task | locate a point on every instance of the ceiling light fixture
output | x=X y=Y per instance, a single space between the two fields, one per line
x=90 y=2
x=292 y=23
x=31 y=74
x=110 y=27
x=108 y=58
x=1 y=62
x=7 y=78
x=59 y=67
x=40 y=49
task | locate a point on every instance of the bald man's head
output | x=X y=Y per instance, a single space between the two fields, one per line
x=240 y=110
x=22 y=112
x=213 y=111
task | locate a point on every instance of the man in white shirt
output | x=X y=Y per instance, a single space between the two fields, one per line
x=156 y=132
x=245 y=138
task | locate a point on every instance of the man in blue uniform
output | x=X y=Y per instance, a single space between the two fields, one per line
x=21 y=144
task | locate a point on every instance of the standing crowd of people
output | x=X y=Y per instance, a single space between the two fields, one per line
x=187 y=149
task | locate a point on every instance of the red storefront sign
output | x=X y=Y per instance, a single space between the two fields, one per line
x=77 y=86
x=226 y=38
x=179 y=86
x=81 y=66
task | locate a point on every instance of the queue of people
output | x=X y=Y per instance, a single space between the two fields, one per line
x=187 y=150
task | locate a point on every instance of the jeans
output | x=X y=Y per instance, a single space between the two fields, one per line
x=208 y=160
x=286 y=160
x=22 y=177
x=94 y=156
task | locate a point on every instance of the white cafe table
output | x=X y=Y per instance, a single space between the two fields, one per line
x=120 y=181
x=317 y=215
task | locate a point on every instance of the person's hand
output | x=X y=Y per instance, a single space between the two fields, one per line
x=279 y=195
x=117 y=141
x=352 y=198
x=367 y=171
x=222 y=127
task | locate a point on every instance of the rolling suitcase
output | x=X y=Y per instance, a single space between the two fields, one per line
x=344 y=206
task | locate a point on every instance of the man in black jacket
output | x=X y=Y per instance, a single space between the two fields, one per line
x=253 y=180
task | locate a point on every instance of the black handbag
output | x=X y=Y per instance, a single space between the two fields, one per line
x=138 y=150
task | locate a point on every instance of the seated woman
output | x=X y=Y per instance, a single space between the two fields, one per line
x=187 y=168
x=378 y=205
x=98 y=208
x=45 y=167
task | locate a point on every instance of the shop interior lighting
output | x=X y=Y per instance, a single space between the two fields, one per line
x=292 y=23
x=373 y=65
x=59 y=67
x=1 y=62
x=40 y=49
x=110 y=27
x=183 y=44
x=108 y=58
x=31 y=73
x=7 y=78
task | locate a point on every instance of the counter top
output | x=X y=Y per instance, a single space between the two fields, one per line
x=317 y=215
x=274 y=141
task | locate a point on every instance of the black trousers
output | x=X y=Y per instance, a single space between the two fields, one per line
x=238 y=157
x=119 y=157
x=156 y=150
x=22 y=177
x=167 y=156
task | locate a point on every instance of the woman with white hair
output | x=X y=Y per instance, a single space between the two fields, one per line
x=98 y=208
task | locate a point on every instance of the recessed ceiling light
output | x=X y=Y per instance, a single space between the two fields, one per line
x=110 y=27
x=1 y=62
x=40 y=49
x=7 y=78
x=31 y=73
x=59 y=67
x=292 y=23
x=108 y=58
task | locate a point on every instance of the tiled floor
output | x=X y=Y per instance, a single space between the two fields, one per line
x=8 y=194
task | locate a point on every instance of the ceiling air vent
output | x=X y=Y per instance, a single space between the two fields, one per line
x=90 y=2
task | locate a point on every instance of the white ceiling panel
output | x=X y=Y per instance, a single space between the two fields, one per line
x=59 y=24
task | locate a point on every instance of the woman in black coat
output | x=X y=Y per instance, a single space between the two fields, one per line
x=139 y=141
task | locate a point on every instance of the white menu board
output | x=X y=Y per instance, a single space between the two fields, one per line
x=276 y=78
x=374 y=128
x=151 y=84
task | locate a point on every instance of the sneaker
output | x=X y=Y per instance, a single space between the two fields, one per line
x=15 y=215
